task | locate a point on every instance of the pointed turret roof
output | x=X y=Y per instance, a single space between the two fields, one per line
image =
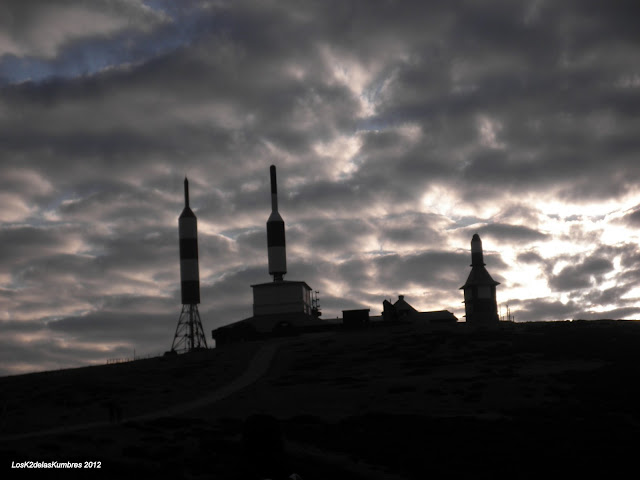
x=479 y=276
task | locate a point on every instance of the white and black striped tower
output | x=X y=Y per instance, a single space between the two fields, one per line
x=275 y=235
x=189 y=332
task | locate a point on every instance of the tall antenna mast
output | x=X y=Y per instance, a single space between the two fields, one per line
x=276 y=245
x=189 y=334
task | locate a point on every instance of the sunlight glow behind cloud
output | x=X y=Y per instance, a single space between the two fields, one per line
x=399 y=129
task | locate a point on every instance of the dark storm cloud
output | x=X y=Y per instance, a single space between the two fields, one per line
x=25 y=241
x=412 y=229
x=614 y=314
x=581 y=275
x=17 y=356
x=41 y=29
x=252 y=52
x=229 y=298
x=137 y=253
x=632 y=218
x=334 y=237
x=27 y=185
x=72 y=37
x=510 y=233
x=531 y=81
x=117 y=203
x=336 y=304
x=107 y=326
x=584 y=279
x=329 y=195
x=76 y=341
x=355 y=274
x=530 y=257
x=118 y=256
x=607 y=296
x=153 y=112
x=442 y=270
x=528 y=215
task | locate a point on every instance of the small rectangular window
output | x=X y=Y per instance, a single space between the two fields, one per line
x=484 y=291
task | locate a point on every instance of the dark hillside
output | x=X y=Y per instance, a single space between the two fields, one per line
x=397 y=402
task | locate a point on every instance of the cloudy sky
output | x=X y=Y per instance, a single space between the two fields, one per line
x=399 y=129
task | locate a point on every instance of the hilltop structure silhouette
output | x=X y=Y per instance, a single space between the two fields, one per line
x=189 y=332
x=285 y=307
x=481 y=307
x=402 y=310
x=280 y=306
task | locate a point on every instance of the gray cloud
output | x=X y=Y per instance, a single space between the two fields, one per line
x=502 y=232
x=540 y=309
x=632 y=218
x=614 y=314
x=582 y=275
x=369 y=109
x=42 y=30
x=440 y=270
x=530 y=257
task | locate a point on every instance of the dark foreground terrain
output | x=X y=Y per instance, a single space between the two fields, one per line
x=521 y=401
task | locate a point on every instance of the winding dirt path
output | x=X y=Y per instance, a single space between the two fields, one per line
x=258 y=366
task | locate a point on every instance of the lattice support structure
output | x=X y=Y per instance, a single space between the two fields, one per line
x=189 y=332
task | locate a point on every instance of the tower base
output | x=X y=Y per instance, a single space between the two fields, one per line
x=189 y=332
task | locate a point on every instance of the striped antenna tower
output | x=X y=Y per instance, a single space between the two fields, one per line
x=276 y=244
x=189 y=332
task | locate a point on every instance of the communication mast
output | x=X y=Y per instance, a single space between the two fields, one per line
x=508 y=317
x=189 y=332
x=315 y=304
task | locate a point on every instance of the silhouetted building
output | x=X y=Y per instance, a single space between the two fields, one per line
x=401 y=310
x=480 y=303
x=281 y=297
x=355 y=318
x=284 y=296
x=281 y=305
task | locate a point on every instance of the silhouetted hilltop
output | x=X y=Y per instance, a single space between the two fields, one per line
x=397 y=402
